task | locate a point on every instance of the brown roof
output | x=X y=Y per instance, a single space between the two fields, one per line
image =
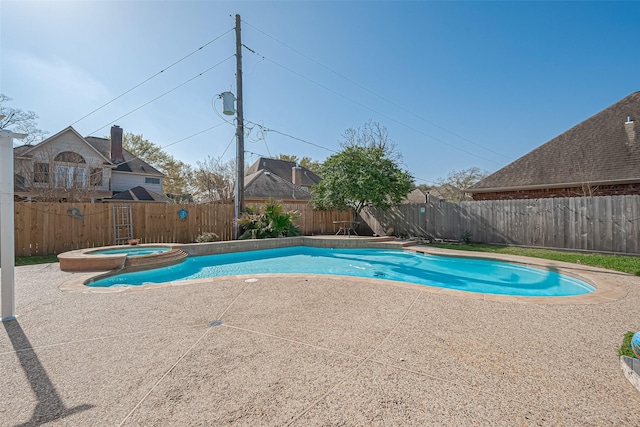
x=415 y=196
x=605 y=148
x=264 y=184
x=282 y=168
x=131 y=163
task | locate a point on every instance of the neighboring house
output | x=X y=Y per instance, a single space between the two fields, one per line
x=69 y=167
x=278 y=179
x=598 y=157
x=138 y=194
x=416 y=196
x=419 y=196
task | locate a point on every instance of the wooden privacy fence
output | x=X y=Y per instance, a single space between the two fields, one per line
x=52 y=228
x=608 y=223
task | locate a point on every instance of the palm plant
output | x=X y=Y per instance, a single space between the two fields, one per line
x=268 y=221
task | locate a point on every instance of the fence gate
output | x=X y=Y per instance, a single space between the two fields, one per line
x=122 y=224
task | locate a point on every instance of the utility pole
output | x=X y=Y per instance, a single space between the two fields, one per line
x=239 y=190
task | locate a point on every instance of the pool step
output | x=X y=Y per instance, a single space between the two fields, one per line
x=383 y=239
x=389 y=243
x=147 y=262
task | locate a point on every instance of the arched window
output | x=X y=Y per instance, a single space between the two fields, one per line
x=69 y=157
x=70 y=170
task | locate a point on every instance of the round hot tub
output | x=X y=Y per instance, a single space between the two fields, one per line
x=131 y=251
x=131 y=258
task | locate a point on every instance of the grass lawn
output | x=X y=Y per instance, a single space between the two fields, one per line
x=626 y=264
x=625 y=348
x=36 y=259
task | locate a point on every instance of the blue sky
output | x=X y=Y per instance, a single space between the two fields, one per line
x=457 y=84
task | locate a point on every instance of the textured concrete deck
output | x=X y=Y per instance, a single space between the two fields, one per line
x=302 y=350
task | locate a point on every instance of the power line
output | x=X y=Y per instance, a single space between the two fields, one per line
x=166 y=93
x=371 y=92
x=213 y=107
x=225 y=150
x=266 y=129
x=377 y=112
x=155 y=75
x=137 y=157
x=191 y=136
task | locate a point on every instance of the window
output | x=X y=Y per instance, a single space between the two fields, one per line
x=96 y=177
x=70 y=170
x=69 y=157
x=148 y=180
x=80 y=175
x=62 y=176
x=20 y=181
x=41 y=173
x=69 y=176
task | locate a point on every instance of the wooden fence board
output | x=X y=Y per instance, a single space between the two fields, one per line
x=47 y=228
x=609 y=223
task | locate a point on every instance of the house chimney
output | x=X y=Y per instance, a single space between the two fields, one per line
x=116 y=144
x=296 y=175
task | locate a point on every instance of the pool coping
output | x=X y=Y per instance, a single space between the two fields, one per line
x=607 y=289
x=86 y=260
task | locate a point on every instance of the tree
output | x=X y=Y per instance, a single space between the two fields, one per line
x=177 y=173
x=364 y=173
x=20 y=121
x=214 y=180
x=454 y=187
x=305 y=162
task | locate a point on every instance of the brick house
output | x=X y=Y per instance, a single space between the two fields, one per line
x=598 y=157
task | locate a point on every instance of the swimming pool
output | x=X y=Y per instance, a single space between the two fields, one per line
x=132 y=251
x=465 y=274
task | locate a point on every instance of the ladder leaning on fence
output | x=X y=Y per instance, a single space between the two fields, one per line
x=122 y=224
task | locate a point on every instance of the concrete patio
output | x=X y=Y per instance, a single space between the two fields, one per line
x=311 y=350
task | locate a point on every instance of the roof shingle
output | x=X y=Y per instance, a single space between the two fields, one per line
x=605 y=148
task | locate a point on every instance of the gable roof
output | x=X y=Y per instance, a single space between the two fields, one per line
x=25 y=150
x=131 y=163
x=282 y=168
x=264 y=184
x=102 y=146
x=604 y=149
x=416 y=196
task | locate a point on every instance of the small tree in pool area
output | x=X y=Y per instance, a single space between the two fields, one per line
x=365 y=173
x=268 y=221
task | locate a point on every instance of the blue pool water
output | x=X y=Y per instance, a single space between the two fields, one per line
x=463 y=274
x=132 y=251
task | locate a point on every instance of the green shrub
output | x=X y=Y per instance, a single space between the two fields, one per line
x=207 y=237
x=268 y=221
